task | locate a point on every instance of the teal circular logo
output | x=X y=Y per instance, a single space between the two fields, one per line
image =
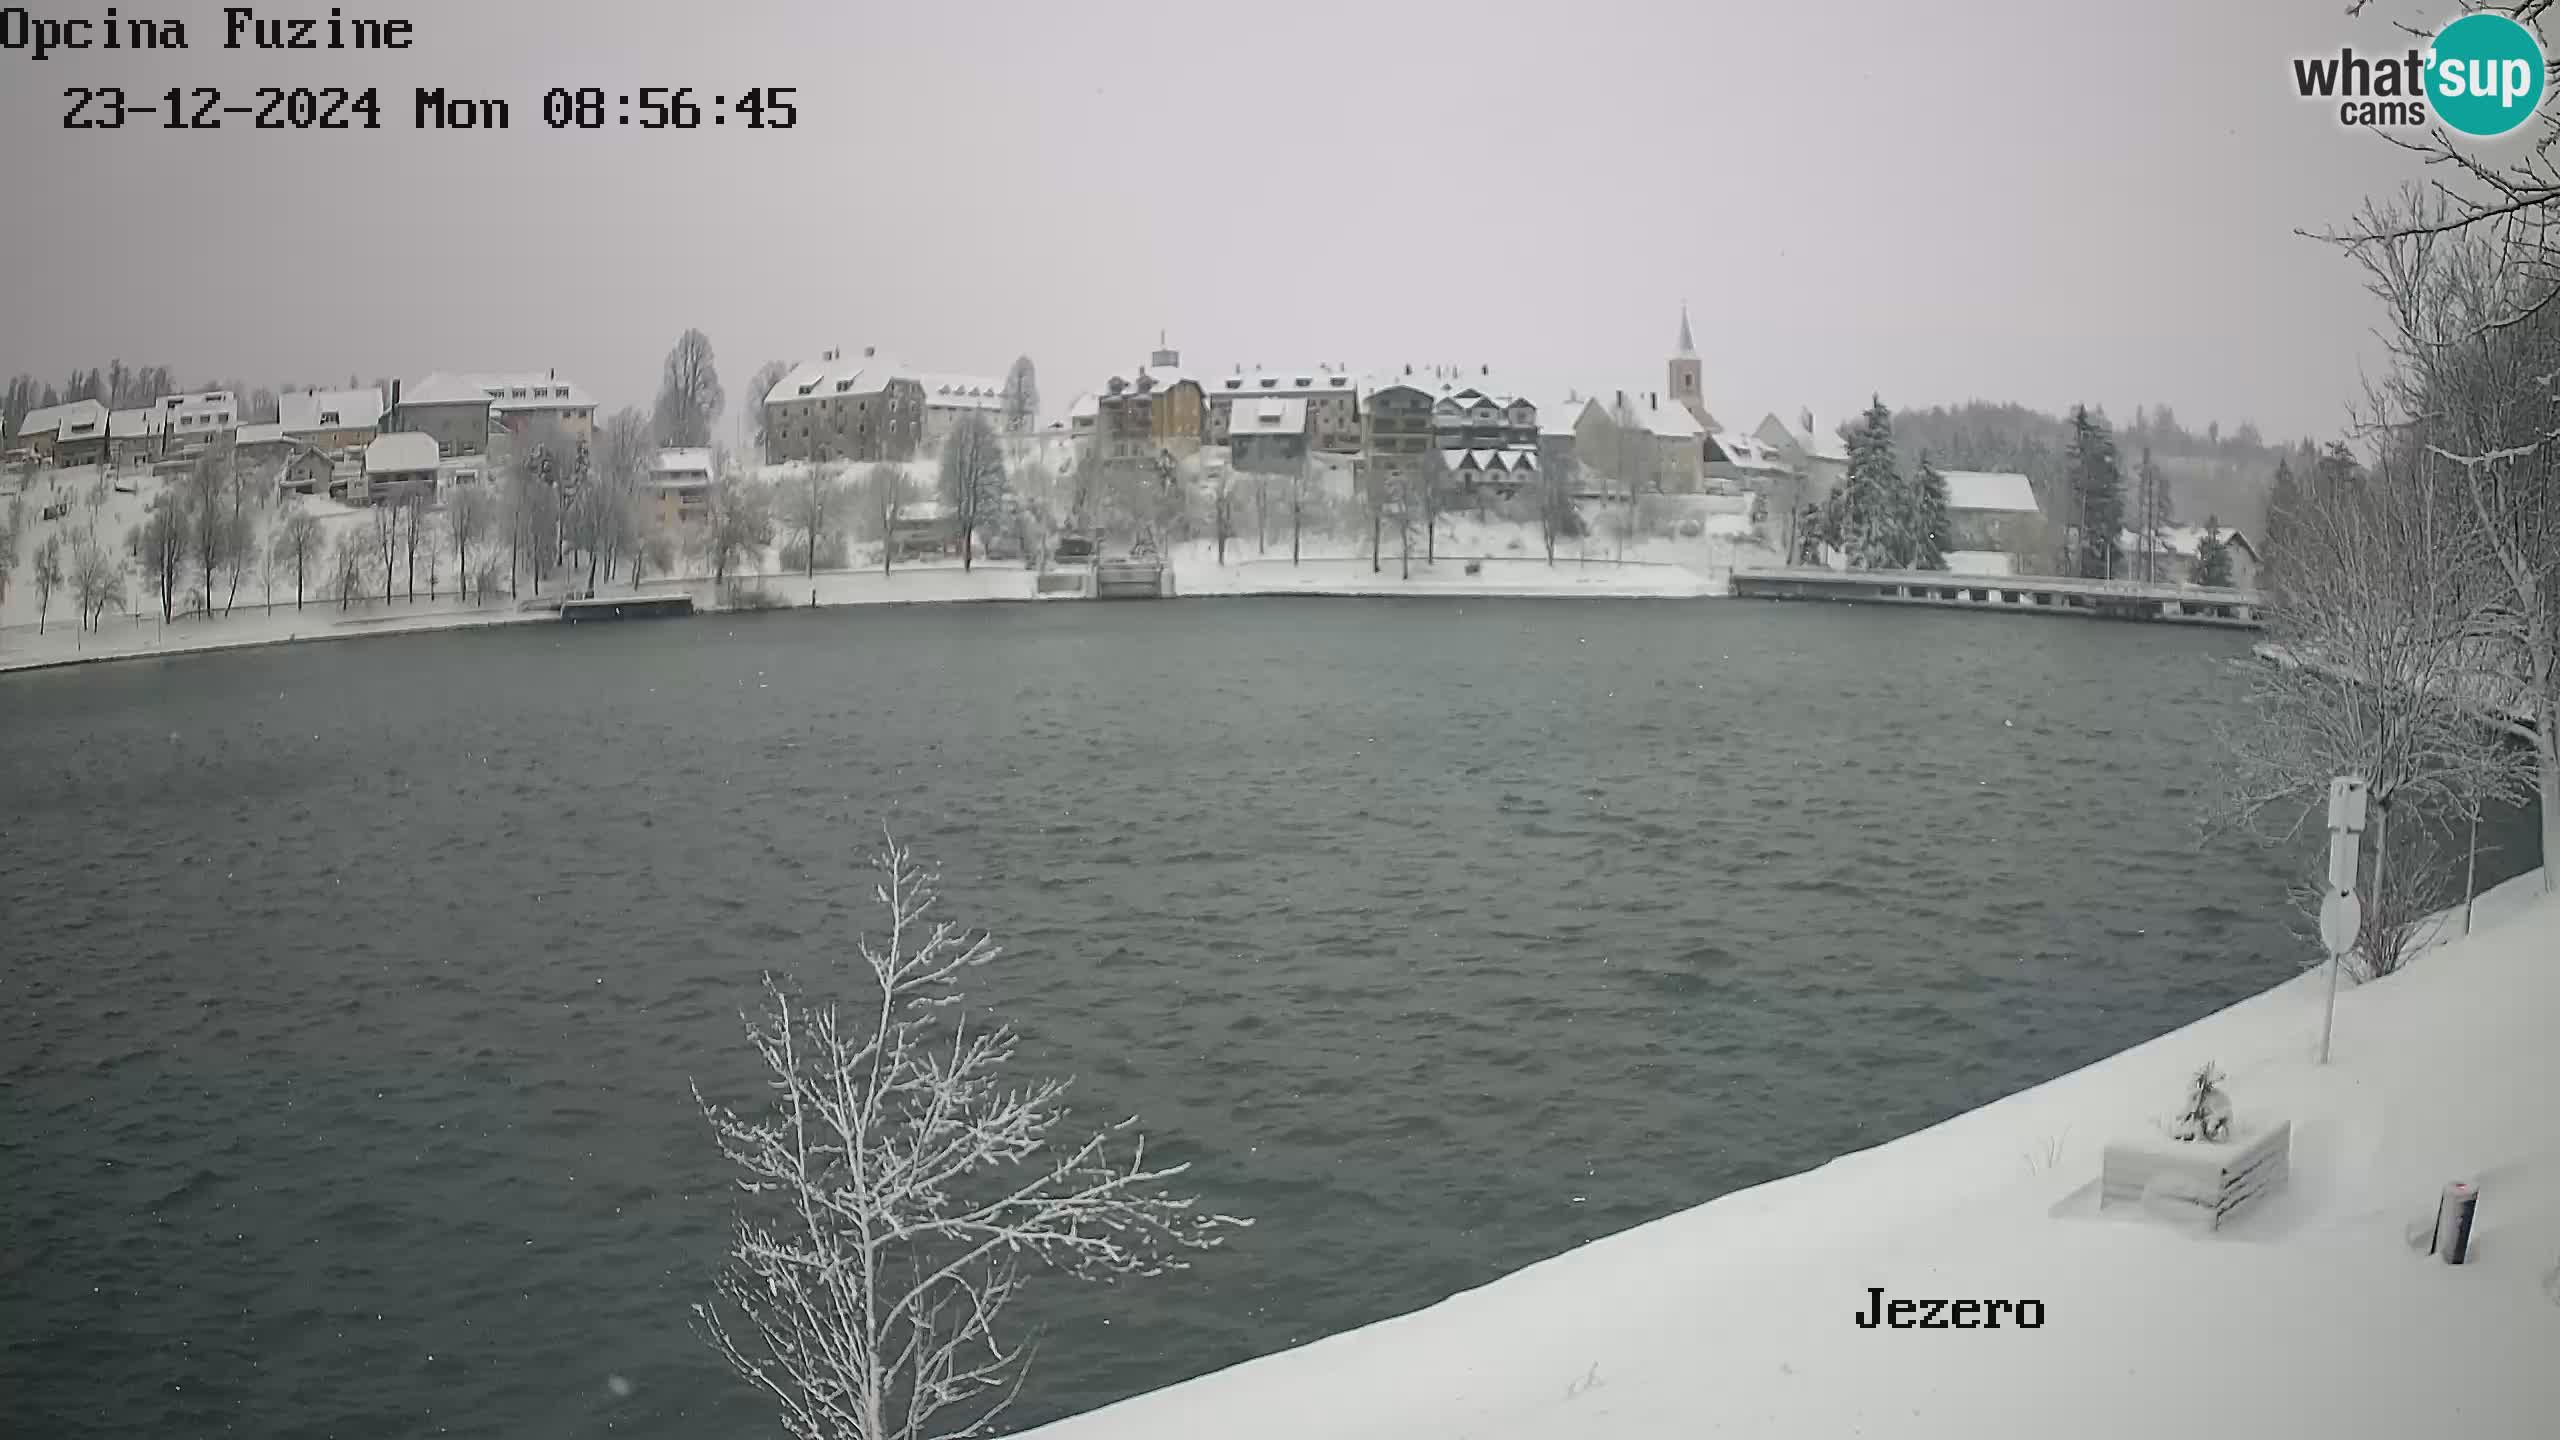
x=2484 y=74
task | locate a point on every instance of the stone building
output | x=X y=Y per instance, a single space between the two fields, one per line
x=857 y=408
x=1157 y=415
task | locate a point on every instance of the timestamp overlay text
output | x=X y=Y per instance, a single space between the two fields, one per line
x=30 y=38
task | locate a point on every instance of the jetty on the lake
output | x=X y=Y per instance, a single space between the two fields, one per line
x=627 y=607
x=2009 y=594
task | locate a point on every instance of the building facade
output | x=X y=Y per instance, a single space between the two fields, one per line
x=949 y=399
x=1157 y=415
x=859 y=408
x=1331 y=396
x=678 y=488
x=1268 y=434
x=461 y=410
x=331 y=419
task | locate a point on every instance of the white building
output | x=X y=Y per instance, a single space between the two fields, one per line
x=397 y=464
x=190 y=420
x=331 y=419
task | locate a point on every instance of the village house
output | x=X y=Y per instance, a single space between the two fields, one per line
x=397 y=466
x=460 y=411
x=189 y=422
x=1993 y=520
x=1265 y=433
x=1498 y=473
x=135 y=436
x=838 y=408
x=1633 y=438
x=1559 y=435
x=1156 y=416
x=678 y=488
x=74 y=434
x=1819 y=457
x=267 y=454
x=1396 y=419
x=331 y=419
x=1331 y=397
x=2178 y=557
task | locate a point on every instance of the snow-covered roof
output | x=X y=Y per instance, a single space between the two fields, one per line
x=1315 y=381
x=248 y=435
x=52 y=419
x=1084 y=406
x=1745 y=452
x=1991 y=491
x=1269 y=415
x=400 y=453
x=961 y=392
x=1561 y=417
x=1815 y=442
x=682 y=460
x=140 y=423
x=867 y=374
x=2184 y=540
x=202 y=406
x=504 y=391
x=330 y=409
x=1491 y=459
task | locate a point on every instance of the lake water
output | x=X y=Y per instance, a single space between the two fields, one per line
x=352 y=991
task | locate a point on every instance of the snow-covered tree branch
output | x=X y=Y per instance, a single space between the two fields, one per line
x=898 y=1184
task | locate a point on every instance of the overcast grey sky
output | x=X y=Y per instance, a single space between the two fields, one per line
x=2039 y=200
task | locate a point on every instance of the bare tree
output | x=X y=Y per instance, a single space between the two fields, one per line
x=349 y=560
x=97 y=579
x=1302 y=483
x=207 y=495
x=654 y=549
x=767 y=376
x=383 y=523
x=812 y=502
x=48 y=576
x=415 y=532
x=468 y=513
x=689 y=395
x=897 y=1181
x=2476 y=351
x=886 y=501
x=298 y=540
x=2376 y=636
x=740 y=525
x=1558 y=518
x=1222 y=507
x=973 y=479
x=161 y=543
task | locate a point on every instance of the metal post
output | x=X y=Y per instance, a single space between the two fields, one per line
x=2341 y=914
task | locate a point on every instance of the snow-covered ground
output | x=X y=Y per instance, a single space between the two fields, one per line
x=2313 y=1316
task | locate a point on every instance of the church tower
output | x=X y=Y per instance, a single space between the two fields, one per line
x=1687 y=385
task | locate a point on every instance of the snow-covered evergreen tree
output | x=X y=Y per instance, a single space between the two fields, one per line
x=2213 y=557
x=2097 y=489
x=1928 y=518
x=1874 y=509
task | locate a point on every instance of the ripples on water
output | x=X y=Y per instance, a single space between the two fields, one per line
x=352 y=991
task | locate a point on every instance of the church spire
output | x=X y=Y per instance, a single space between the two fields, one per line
x=1687 y=346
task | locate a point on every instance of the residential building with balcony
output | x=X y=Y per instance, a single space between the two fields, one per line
x=1158 y=415
x=678 y=488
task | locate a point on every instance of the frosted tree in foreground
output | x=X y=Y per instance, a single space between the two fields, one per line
x=897 y=1183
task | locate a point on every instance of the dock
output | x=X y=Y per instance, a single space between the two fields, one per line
x=2010 y=594
x=1130 y=580
x=627 y=607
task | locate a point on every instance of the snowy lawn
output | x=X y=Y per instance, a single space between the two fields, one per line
x=2311 y=1315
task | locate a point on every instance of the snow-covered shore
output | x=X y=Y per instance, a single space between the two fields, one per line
x=2312 y=1316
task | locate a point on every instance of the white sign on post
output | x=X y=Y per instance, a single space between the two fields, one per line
x=2341 y=914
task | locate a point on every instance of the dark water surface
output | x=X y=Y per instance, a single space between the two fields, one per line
x=352 y=991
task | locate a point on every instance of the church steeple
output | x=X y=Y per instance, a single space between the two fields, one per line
x=1687 y=380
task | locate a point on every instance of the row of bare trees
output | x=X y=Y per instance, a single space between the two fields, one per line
x=2414 y=600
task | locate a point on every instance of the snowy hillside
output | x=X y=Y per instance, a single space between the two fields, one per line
x=2313 y=1316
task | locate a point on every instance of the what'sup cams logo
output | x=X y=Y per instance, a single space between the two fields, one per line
x=2481 y=76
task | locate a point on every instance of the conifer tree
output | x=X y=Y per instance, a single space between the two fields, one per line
x=1929 y=518
x=2097 y=489
x=1874 y=510
x=2213 y=557
x=2284 y=501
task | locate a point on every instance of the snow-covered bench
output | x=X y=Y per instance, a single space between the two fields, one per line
x=2196 y=1182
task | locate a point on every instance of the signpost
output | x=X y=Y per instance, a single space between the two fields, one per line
x=2341 y=914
